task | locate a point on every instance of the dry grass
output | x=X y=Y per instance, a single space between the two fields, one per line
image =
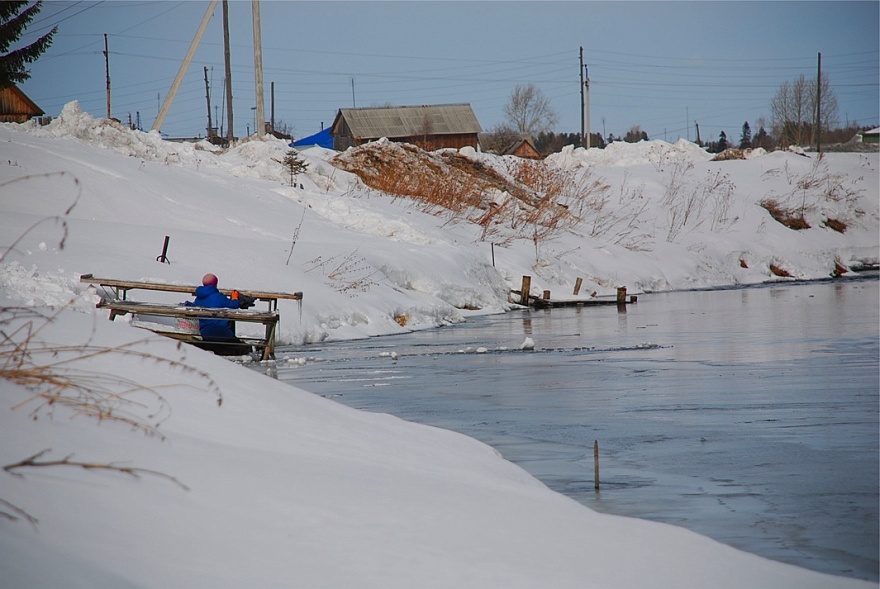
x=404 y=170
x=57 y=377
x=529 y=200
x=816 y=189
x=791 y=218
x=348 y=274
x=779 y=271
x=836 y=225
x=53 y=372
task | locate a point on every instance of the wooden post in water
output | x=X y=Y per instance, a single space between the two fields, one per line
x=577 y=285
x=546 y=295
x=621 y=295
x=524 y=290
x=596 y=464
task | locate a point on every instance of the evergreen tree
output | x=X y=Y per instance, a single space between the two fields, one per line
x=762 y=139
x=722 y=142
x=745 y=141
x=13 y=22
x=293 y=165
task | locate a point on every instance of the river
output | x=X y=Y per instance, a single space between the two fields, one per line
x=749 y=415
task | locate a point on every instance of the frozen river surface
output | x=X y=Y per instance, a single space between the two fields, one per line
x=747 y=415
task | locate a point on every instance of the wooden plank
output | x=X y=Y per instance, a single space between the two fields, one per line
x=123 y=307
x=268 y=318
x=184 y=288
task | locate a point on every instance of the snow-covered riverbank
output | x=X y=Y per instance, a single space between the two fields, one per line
x=283 y=487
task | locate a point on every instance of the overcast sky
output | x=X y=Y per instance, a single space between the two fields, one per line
x=660 y=65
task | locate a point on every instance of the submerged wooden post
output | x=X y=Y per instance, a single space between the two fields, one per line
x=596 y=464
x=524 y=290
x=621 y=295
x=577 y=285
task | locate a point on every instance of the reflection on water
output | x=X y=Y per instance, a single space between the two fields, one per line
x=748 y=415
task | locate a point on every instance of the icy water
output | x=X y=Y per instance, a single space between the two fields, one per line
x=747 y=415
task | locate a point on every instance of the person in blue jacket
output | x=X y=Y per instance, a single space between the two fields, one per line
x=220 y=330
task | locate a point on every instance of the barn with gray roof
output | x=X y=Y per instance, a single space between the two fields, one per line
x=429 y=127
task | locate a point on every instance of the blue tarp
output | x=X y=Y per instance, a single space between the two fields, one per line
x=322 y=139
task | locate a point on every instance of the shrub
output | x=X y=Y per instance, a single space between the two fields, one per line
x=791 y=218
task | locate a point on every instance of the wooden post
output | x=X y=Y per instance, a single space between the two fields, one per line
x=546 y=295
x=596 y=464
x=577 y=285
x=621 y=295
x=524 y=290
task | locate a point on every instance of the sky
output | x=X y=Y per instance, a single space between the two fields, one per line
x=663 y=66
x=286 y=487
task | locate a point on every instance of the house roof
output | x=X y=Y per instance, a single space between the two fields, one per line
x=511 y=149
x=14 y=101
x=409 y=121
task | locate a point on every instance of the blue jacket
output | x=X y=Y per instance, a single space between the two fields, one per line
x=209 y=296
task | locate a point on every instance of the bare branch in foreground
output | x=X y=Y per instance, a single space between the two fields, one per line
x=33 y=461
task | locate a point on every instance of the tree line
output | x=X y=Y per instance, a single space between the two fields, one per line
x=798 y=109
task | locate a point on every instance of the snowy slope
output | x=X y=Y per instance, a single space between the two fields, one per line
x=250 y=482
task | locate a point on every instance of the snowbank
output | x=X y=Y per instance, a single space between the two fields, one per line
x=276 y=487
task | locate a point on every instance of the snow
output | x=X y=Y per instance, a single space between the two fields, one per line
x=246 y=481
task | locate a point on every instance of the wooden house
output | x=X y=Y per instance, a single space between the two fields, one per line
x=522 y=147
x=429 y=127
x=16 y=107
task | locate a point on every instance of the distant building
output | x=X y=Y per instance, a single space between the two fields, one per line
x=429 y=127
x=522 y=147
x=16 y=107
x=872 y=136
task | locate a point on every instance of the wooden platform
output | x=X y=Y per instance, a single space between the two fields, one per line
x=120 y=289
x=146 y=310
x=546 y=301
x=180 y=321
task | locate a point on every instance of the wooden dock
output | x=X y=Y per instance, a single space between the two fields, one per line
x=546 y=301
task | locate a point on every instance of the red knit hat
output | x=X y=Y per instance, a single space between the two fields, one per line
x=209 y=279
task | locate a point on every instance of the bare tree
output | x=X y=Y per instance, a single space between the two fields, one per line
x=498 y=137
x=793 y=110
x=635 y=134
x=529 y=111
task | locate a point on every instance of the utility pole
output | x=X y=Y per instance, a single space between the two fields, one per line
x=353 y=104
x=208 y=98
x=272 y=107
x=819 y=106
x=107 y=72
x=229 y=134
x=697 y=125
x=587 y=85
x=581 y=72
x=260 y=124
x=169 y=98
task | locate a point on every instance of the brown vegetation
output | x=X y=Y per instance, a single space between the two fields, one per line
x=836 y=225
x=529 y=200
x=730 y=153
x=57 y=376
x=777 y=271
x=791 y=218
